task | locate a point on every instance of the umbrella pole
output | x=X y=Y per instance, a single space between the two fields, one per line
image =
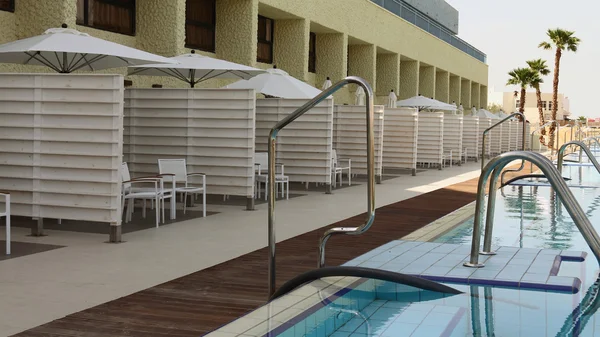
x=192 y=78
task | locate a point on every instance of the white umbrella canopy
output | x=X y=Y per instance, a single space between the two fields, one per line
x=66 y=50
x=194 y=68
x=486 y=114
x=276 y=82
x=422 y=103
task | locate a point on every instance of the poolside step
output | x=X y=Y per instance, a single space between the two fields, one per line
x=513 y=267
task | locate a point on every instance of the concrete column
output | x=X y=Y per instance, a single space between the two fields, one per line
x=475 y=95
x=161 y=26
x=455 y=89
x=465 y=93
x=362 y=61
x=409 y=79
x=483 y=96
x=33 y=17
x=332 y=60
x=442 y=86
x=388 y=75
x=237 y=31
x=427 y=80
x=290 y=51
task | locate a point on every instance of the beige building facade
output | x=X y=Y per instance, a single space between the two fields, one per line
x=511 y=103
x=391 y=44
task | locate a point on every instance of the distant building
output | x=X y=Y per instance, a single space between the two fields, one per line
x=510 y=103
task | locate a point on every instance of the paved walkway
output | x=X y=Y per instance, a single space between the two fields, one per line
x=43 y=287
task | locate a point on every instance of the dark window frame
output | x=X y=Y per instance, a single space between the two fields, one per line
x=11 y=7
x=131 y=7
x=312 y=55
x=264 y=41
x=208 y=26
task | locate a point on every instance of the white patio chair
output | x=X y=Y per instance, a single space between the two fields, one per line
x=178 y=168
x=151 y=188
x=338 y=166
x=446 y=158
x=6 y=213
x=261 y=171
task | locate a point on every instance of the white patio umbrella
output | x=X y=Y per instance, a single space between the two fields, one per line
x=327 y=84
x=486 y=114
x=66 y=50
x=392 y=99
x=423 y=103
x=360 y=96
x=194 y=68
x=276 y=82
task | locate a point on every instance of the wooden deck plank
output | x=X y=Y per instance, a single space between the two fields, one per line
x=205 y=300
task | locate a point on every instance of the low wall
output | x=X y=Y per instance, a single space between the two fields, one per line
x=495 y=138
x=471 y=135
x=430 y=143
x=213 y=129
x=484 y=124
x=400 y=139
x=453 y=135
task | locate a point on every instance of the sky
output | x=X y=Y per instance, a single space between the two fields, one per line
x=509 y=31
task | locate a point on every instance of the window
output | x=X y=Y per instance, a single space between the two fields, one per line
x=544 y=106
x=312 y=53
x=7 y=5
x=549 y=105
x=200 y=21
x=265 y=40
x=113 y=15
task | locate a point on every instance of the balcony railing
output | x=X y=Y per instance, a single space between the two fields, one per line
x=417 y=18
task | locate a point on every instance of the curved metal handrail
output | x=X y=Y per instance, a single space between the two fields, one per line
x=370 y=165
x=558 y=184
x=582 y=146
x=485 y=132
x=522 y=166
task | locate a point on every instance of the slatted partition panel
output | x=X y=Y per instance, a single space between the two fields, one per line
x=430 y=143
x=212 y=128
x=471 y=134
x=400 y=139
x=507 y=132
x=350 y=136
x=60 y=145
x=528 y=136
x=515 y=131
x=453 y=135
x=304 y=146
x=484 y=123
x=495 y=138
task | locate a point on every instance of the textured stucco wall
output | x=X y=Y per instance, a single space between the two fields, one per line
x=33 y=17
x=475 y=95
x=442 y=86
x=483 y=96
x=465 y=93
x=161 y=26
x=379 y=26
x=7 y=27
x=290 y=52
x=237 y=30
x=454 y=89
x=388 y=73
x=332 y=60
x=427 y=81
x=409 y=79
x=362 y=60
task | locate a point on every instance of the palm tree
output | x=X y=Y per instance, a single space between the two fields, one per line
x=523 y=77
x=561 y=40
x=541 y=68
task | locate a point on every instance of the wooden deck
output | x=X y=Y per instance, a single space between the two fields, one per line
x=203 y=301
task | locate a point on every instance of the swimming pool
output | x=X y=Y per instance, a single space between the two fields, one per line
x=526 y=216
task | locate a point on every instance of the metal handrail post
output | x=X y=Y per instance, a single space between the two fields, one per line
x=582 y=147
x=370 y=185
x=489 y=218
x=558 y=184
x=485 y=132
x=271 y=153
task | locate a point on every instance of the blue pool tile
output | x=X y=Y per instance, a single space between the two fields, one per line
x=300 y=329
x=385 y=314
x=520 y=262
x=549 y=252
x=445 y=248
x=414 y=269
x=426 y=246
x=461 y=272
x=396 y=305
x=340 y=334
x=352 y=325
x=529 y=251
x=438 y=318
x=484 y=273
x=414 y=317
x=400 y=329
x=427 y=307
x=534 y=278
x=428 y=331
x=440 y=271
x=509 y=249
x=358 y=334
x=573 y=255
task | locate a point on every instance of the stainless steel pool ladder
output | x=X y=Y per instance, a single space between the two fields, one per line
x=583 y=147
x=370 y=171
x=485 y=132
x=493 y=168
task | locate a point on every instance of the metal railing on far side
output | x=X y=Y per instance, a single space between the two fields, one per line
x=370 y=168
x=493 y=168
x=583 y=147
x=495 y=125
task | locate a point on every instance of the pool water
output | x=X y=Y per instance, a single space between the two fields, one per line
x=525 y=216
